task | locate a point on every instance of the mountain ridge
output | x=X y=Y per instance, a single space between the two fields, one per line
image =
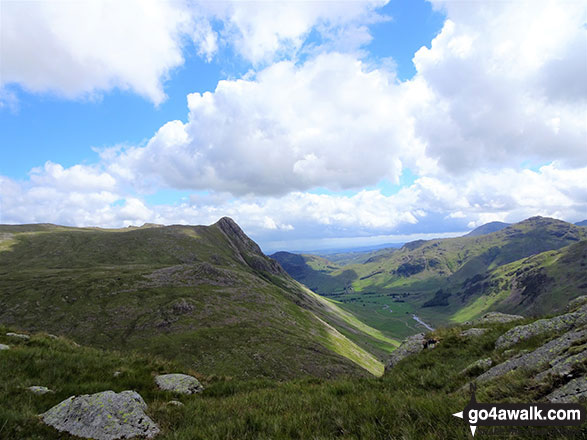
x=203 y=295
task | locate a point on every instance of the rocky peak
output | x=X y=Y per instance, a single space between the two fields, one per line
x=237 y=236
x=249 y=251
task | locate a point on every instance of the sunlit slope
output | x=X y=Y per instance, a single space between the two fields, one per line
x=205 y=296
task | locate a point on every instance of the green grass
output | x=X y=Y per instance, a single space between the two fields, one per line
x=415 y=401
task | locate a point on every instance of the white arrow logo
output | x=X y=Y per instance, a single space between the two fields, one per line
x=460 y=416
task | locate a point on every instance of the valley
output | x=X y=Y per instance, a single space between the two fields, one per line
x=533 y=267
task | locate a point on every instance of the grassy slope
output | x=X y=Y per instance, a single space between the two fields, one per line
x=180 y=292
x=415 y=401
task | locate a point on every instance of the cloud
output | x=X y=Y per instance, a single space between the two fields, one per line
x=506 y=84
x=80 y=48
x=262 y=31
x=486 y=95
x=84 y=48
x=499 y=89
x=429 y=204
x=330 y=122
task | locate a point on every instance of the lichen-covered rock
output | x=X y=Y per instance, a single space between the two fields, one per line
x=4 y=347
x=38 y=389
x=18 y=336
x=572 y=392
x=473 y=332
x=497 y=317
x=179 y=383
x=480 y=365
x=409 y=346
x=576 y=303
x=538 y=358
x=563 y=365
x=558 y=324
x=103 y=416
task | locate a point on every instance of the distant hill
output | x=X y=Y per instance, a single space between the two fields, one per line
x=581 y=223
x=487 y=228
x=205 y=296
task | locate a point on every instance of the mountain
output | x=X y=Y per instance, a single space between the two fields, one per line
x=581 y=223
x=204 y=296
x=487 y=228
x=387 y=290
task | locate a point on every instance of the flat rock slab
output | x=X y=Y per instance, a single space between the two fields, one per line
x=103 y=416
x=554 y=325
x=19 y=336
x=409 y=346
x=538 y=358
x=37 y=389
x=573 y=392
x=179 y=383
x=4 y=347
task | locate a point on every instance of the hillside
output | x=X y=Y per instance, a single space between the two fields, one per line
x=204 y=296
x=413 y=400
x=534 y=286
x=387 y=289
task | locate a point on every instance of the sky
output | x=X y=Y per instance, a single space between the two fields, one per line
x=313 y=124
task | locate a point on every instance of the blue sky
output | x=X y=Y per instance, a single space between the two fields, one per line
x=334 y=123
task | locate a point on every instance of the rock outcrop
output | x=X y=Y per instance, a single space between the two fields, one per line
x=179 y=383
x=563 y=365
x=572 y=392
x=538 y=358
x=4 y=347
x=411 y=345
x=103 y=416
x=558 y=324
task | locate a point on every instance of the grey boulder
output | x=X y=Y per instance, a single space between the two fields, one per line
x=409 y=346
x=103 y=416
x=4 y=347
x=179 y=383
x=37 y=389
